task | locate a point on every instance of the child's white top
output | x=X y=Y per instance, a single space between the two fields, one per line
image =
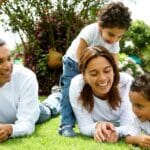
x=92 y=36
x=138 y=127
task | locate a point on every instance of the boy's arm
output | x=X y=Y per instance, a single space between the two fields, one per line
x=82 y=45
x=141 y=140
x=132 y=139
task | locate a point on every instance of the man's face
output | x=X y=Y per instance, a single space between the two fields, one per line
x=6 y=65
x=112 y=35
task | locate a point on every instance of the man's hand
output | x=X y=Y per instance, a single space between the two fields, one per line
x=5 y=131
x=105 y=132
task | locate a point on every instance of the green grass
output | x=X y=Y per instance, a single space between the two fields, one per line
x=46 y=138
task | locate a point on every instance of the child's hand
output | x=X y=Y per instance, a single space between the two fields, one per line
x=143 y=141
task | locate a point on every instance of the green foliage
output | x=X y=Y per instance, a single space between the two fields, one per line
x=137 y=42
x=46 y=24
x=127 y=64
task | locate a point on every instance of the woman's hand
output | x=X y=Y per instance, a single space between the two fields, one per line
x=105 y=132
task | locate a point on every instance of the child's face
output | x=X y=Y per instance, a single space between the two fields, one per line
x=112 y=35
x=140 y=106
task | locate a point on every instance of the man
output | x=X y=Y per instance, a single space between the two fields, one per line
x=19 y=106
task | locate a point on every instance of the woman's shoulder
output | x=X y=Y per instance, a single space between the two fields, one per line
x=78 y=80
x=77 y=84
x=125 y=79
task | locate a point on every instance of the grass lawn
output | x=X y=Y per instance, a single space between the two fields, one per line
x=46 y=138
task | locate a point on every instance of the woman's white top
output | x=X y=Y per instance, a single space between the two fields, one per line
x=123 y=115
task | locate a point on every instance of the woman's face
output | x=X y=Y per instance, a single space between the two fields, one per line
x=100 y=76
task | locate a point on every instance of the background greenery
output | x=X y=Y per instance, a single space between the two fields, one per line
x=47 y=24
x=43 y=25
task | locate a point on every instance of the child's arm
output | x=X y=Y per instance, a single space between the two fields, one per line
x=141 y=140
x=82 y=45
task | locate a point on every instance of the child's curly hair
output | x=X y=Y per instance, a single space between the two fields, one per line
x=142 y=84
x=113 y=15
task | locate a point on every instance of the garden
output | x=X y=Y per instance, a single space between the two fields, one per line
x=46 y=29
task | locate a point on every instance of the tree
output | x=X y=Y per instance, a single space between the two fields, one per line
x=43 y=25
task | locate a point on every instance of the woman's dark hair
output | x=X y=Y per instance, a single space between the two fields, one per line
x=141 y=84
x=86 y=96
x=115 y=15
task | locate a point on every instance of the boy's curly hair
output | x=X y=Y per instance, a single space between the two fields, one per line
x=142 y=84
x=115 y=15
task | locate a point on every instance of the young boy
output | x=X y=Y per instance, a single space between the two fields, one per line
x=140 y=98
x=113 y=22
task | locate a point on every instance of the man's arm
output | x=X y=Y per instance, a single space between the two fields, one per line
x=27 y=107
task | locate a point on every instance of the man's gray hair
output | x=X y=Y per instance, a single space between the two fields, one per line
x=2 y=42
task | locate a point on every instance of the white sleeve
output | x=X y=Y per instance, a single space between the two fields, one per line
x=87 y=34
x=84 y=118
x=132 y=129
x=126 y=113
x=27 y=109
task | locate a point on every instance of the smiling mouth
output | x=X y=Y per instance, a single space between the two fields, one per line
x=102 y=84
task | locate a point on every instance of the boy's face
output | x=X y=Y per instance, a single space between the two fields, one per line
x=112 y=35
x=140 y=106
x=5 y=65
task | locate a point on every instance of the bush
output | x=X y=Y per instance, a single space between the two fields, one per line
x=137 y=42
x=47 y=24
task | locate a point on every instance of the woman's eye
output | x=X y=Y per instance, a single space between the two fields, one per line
x=139 y=106
x=107 y=71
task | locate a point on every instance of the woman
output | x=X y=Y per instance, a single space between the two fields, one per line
x=99 y=104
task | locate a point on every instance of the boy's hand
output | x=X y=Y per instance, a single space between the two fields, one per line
x=143 y=141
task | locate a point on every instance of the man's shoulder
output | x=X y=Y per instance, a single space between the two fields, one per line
x=20 y=70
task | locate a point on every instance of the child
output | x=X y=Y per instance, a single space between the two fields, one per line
x=140 y=98
x=113 y=22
